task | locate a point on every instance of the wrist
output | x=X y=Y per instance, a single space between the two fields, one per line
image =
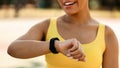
x=57 y=45
x=53 y=46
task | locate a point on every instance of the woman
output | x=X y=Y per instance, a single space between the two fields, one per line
x=81 y=38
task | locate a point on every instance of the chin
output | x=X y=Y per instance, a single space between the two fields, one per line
x=71 y=13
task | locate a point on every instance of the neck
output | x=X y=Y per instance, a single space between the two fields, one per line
x=82 y=17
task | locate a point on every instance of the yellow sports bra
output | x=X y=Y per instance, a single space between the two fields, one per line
x=94 y=50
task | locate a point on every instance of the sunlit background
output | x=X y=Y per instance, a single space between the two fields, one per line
x=17 y=16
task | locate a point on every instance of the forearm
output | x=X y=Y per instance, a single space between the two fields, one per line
x=28 y=48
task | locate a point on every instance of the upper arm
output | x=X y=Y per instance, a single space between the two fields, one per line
x=110 y=57
x=36 y=32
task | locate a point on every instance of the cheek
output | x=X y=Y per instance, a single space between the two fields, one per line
x=60 y=2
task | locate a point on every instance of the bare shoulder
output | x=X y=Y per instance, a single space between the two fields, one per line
x=37 y=31
x=42 y=26
x=110 y=37
x=111 y=51
x=108 y=31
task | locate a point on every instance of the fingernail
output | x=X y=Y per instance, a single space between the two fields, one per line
x=71 y=57
x=77 y=60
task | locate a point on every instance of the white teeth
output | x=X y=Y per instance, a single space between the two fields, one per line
x=69 y=3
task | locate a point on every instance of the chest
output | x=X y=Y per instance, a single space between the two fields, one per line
x=85 y=34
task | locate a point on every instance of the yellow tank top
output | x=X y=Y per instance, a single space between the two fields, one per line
x=94 y=51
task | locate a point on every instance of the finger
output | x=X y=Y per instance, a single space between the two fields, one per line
x=68 y=55
x=75 y=45
x=76 y=52
x=81 y=48
x=82 y=58
x=79 y=58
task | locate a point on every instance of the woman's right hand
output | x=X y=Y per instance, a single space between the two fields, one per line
x=71 y=48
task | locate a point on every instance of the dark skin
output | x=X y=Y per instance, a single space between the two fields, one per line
x=75 y=27
x=111 y=42
x=85 y=30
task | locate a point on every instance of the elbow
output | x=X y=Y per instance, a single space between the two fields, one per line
x=15 y=52
x=12 y=51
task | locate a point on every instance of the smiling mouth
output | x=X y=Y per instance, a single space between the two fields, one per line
x=69 y=3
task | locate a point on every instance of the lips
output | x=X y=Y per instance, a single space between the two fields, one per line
x=69 y=3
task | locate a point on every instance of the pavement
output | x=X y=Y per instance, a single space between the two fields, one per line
x=11 y=28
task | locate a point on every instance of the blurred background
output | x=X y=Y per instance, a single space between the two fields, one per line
x=17 y=16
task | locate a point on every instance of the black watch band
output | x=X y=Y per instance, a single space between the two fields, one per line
x=52 y=45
